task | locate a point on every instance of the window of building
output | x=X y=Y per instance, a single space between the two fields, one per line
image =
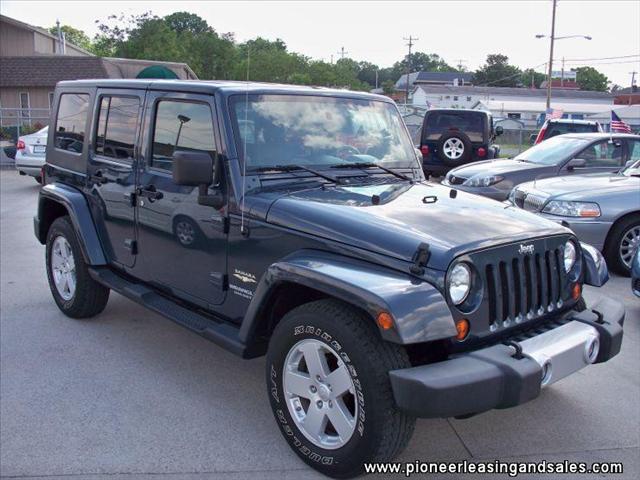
x=515 y=116
x=117 y=125
x=447 y=97
x=181 y=126
x=71 y=122
x=25 y=112
x=468 y=99
x=455 y=98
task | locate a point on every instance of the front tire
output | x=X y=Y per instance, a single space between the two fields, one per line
x=328 y=382
x=74 y=291
x=622 y=241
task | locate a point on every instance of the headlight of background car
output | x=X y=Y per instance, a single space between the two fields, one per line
x=569 y=256
x=483 y=181
x=459 y=283
x=572 y=209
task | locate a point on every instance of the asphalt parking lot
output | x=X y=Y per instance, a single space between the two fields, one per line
x=131 y=395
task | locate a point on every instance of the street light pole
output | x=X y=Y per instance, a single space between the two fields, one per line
x=550 y=73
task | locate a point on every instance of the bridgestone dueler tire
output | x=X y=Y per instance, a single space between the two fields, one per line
x=382 y=431
x=90 y=297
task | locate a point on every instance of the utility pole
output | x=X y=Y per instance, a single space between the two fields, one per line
x=342 y=53
x=406 y=90
x=551 y=39
x=633 y=82
x=562 y=74
x=461 y=62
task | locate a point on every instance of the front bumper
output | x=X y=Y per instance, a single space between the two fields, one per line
x=500 y=376
x=591 y=231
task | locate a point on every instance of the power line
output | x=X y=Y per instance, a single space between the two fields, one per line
x=603 y=63
x=601 y=58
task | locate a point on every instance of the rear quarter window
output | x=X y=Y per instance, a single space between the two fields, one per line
x=71 y=122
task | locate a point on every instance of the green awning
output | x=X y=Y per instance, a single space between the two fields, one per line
x=157 y=71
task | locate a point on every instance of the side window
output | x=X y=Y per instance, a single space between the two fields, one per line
x=117 y=126
x=180 y=126
x=634 y=150
x=71 y=121
x=603 y=154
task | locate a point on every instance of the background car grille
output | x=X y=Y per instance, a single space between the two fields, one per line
x=528 y=201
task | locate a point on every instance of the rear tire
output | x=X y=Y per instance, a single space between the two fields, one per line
x=74 y=291
x=621 y=241
x=350 y=344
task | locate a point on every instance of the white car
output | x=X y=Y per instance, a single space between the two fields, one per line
x=30 y=153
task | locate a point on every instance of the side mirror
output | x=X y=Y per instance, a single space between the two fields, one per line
x=192 y=168
x=532 y=138
x=197 y=169
x=629 y=163
x=499 y=130
x=576 y=163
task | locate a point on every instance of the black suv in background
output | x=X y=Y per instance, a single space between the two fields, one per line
x=454 y=137
x=295 y=222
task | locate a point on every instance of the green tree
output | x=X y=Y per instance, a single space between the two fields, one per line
x=74 y=36
x=588 y=78
x=388 y=87
x=497 y=72
x=181 y=22
x=529 y=75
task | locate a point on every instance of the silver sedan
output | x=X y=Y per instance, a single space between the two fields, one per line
x=602 y=209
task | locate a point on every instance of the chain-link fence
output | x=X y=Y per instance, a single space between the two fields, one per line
x=15 y=122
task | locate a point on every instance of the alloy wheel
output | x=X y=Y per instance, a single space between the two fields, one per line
x=629 y=244
x=453 y=148
x=63 y=267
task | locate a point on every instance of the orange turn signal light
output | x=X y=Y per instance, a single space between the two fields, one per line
x=385 y=320
x=576 y=291
x=462 y=327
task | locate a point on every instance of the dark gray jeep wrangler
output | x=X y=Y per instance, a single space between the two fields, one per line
x=296 y=222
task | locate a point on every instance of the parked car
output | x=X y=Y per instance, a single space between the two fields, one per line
x=454 y=137
x=602 y=209
x=564 y=155
x=30 y=153
x=559 y=126
x=376 y=297
x=635 y=274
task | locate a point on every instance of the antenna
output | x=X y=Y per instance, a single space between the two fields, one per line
x=243 y=229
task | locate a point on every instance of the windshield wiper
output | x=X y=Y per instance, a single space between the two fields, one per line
x=372 y=165
x=294 y=167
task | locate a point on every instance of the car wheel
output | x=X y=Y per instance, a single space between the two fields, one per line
x=328 y=383
x=186 y=232
x=622 y=242
x=454 y=148
x=74 y=291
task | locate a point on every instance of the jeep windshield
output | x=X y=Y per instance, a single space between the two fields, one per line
x=318 y=131
x=553 y=151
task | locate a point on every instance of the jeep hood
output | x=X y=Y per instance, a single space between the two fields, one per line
x=406 y=216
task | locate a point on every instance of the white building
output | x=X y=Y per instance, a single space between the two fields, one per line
x=523 y=104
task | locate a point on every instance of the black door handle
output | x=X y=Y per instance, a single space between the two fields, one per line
x=150 y=192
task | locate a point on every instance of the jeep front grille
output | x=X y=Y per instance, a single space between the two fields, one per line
x=525 y=287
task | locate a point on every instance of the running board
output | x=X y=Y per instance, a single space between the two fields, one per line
x=219 y=332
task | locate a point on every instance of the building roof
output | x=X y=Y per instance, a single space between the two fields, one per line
x=41 y=31
x=47 y=70
x=628 y=113
x=538 y=105
x=446 y=77
x=512 y=91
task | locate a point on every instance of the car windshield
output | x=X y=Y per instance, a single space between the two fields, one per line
x=553 y=151
x=559 y=128
x=319 y=131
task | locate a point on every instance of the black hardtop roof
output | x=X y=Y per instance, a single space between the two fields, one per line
x=456 y=110
x=227 y=87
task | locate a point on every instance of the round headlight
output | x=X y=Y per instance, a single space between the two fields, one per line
x=569 y=256
x=459 y=283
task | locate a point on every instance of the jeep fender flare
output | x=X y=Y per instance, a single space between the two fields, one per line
x=419 y=310
x=75 y=203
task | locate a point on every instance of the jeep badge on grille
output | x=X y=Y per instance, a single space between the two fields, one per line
x=526 y=249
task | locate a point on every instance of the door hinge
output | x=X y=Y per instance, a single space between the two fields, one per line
x=225 y=224
x=131 y=245
x=420 y=259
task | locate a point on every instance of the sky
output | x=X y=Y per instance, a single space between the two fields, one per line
x=375 y=31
